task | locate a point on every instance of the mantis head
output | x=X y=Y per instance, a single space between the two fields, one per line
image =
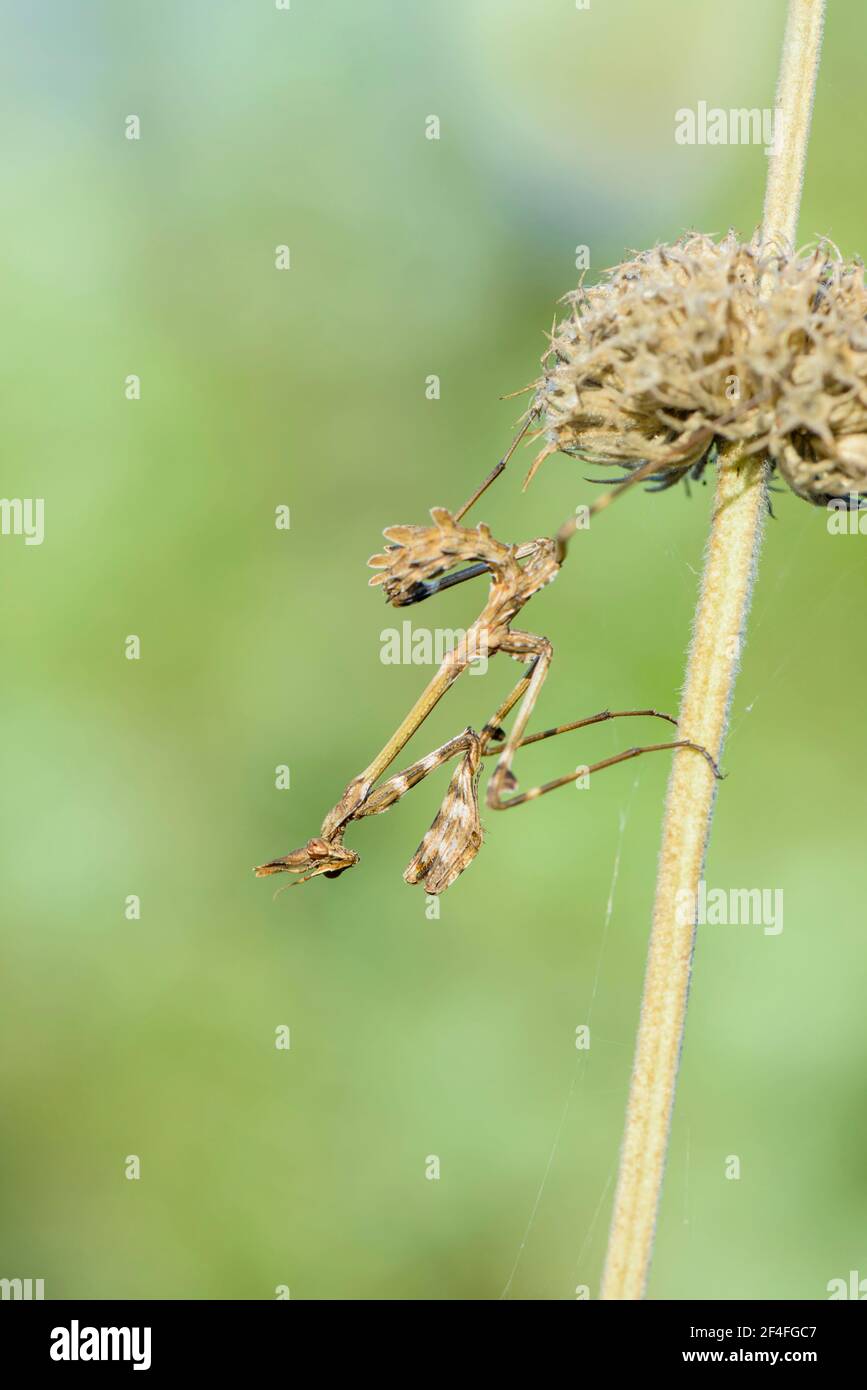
x=318 y=856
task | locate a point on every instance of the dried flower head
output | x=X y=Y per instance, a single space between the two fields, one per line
x=690 y=345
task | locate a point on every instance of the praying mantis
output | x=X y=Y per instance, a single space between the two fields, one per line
x=418 y=563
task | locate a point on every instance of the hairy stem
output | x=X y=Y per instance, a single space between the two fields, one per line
x=730 y=565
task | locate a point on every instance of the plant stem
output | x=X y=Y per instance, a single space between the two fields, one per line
x=730 y=566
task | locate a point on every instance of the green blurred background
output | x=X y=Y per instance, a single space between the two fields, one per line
x=409 y=1037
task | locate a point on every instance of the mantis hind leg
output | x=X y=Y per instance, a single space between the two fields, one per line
x=532 y=415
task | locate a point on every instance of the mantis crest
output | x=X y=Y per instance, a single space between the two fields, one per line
x=417 y=563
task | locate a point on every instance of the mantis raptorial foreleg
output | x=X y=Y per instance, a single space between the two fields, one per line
x=400 y=783
x=455 y=837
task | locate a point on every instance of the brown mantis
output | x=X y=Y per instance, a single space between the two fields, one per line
x=419 y=562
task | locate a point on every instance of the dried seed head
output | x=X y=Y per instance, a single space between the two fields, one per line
x=690 y=345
